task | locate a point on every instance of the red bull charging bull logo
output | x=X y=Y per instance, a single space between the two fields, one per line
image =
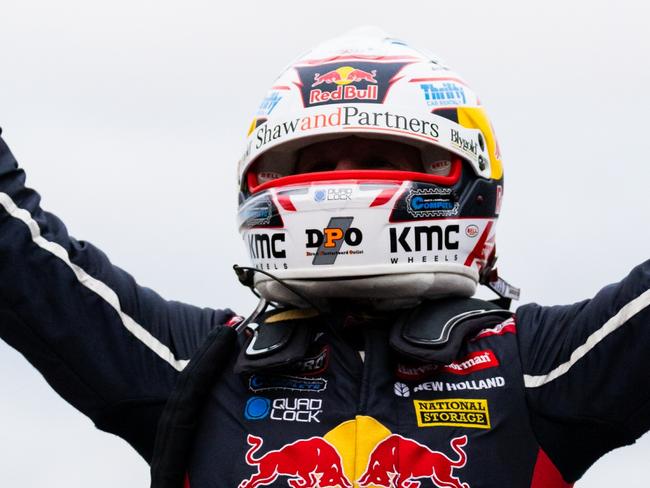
x=399 y=462
x=356 y=82
x=344 y=459
x=308 y=463
x=343 y=78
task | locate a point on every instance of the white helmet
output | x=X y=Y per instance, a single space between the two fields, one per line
x=391 y=236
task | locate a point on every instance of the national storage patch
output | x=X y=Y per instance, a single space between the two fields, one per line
x=454 y=412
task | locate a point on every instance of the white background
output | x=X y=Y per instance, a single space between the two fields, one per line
x=129 y=117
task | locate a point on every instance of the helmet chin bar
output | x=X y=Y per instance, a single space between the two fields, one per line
x=383 y=292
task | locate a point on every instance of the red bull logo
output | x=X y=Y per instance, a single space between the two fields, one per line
x=343 y=458
x=308 y=463
x=361 y=81
x=398 y=462
x=343 y=78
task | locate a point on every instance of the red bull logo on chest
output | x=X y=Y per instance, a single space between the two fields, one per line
x=307 y=463
x=359 y=453
x=399 y=462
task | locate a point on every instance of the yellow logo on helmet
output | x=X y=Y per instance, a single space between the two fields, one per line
x=476 y=118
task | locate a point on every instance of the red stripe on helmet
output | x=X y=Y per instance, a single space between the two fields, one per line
x=285 y=201
x=365 y=175
x=477 y=252
x=383 y=197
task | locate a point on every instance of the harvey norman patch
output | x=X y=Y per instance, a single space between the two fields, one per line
x=453 y=412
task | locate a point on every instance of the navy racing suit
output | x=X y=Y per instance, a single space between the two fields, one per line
x=532 y=401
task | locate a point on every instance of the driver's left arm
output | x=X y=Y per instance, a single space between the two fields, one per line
x=587 y=372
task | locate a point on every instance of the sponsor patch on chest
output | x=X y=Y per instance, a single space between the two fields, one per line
x=453 y=412
x=262 y=382
x=473 y=362
x=304 y=410
x=312 y=365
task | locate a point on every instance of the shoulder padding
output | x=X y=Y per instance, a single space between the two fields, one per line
x=435 y=330
x=278 y=338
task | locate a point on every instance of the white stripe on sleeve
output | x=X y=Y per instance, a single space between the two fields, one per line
x=96 y=286
x=618 y=320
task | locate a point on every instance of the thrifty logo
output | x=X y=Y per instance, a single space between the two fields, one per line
x=453 y=412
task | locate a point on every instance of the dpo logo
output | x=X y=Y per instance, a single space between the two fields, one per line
x=331 y=238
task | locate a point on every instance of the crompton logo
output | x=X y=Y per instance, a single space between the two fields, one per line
x=445 y=94
x=265 y=246
x=466 y=145
x=424 y=238
x=453 y=412
x=431 y=202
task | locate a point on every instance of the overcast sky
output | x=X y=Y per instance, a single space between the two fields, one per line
x=129 y=117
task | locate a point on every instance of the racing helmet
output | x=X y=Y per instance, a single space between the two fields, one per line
x=389 y=235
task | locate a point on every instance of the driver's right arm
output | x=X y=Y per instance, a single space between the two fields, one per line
x=110 y=347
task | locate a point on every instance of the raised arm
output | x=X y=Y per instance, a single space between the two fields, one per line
x=586 y=372
x=110 y=347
